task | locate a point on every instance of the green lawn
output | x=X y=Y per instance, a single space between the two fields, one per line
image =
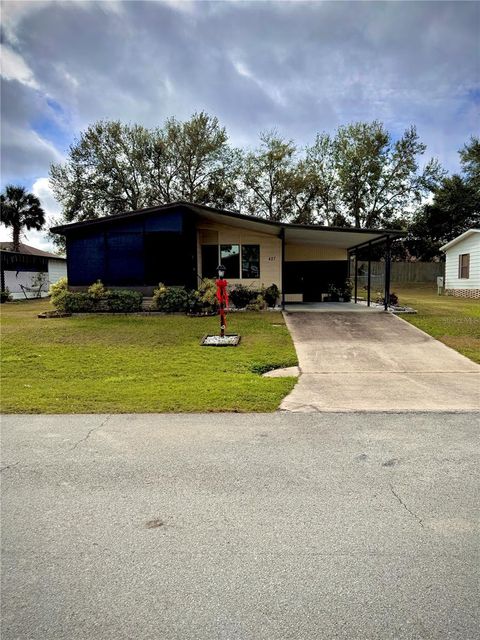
x=117 y=364
x=453 y=321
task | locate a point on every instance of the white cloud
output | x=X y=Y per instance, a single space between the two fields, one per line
x=14 y=67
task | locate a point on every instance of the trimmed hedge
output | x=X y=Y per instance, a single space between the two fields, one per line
x=117 y=301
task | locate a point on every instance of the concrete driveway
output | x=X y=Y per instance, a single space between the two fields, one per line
x=240 y=527
x=376 y=362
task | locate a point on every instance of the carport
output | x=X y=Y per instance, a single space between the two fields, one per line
x=314 y=257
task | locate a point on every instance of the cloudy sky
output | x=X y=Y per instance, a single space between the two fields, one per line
x=299 y=67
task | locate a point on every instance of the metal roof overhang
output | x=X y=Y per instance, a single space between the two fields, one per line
x=341 y=237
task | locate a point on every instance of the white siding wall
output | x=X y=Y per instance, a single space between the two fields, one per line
x=470 y=245
x=270 y=251
x=13 y=280
x=56 y=269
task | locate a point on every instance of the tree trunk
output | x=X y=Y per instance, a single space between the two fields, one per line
x=16 y=237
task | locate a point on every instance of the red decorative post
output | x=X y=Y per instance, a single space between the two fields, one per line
x=222 y=297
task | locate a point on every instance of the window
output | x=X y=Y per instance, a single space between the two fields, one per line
x=250 y=261
x=230 y=258
x=464 y=265
x=209 y=260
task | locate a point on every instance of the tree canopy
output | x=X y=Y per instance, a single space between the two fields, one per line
x=455 y=208
x=18 y=210
x=359 y=176
x=115 y=167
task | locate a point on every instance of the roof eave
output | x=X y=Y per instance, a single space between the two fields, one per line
x=63 y=229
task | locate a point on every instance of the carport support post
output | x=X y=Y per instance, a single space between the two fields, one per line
x=356 y=277
x=388 y=258
x=369 y=273
x=282 y=236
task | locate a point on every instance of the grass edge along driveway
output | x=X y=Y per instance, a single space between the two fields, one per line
x=139 y=364
x=453 y=320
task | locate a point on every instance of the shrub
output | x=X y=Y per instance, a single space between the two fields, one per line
x=58 y=292
x=258 y=304
x=97 y=290
x=97 y=298
x=380 y=298
x=241 y=296
x=171 y=299
x=271 y=295
x=204 y=300
x=123 y=301
x=77 y=302
x=347 y=290
x=5 y=296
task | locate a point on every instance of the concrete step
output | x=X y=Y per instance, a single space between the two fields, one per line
x=147 y=303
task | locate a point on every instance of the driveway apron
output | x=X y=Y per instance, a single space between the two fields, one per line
x=376 y=362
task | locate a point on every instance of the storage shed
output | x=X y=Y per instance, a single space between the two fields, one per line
x=30 y=268
x=462 y=265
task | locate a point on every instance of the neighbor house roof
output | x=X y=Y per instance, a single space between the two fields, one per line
x=459 y=238
x=27 y=250
x=346 y=237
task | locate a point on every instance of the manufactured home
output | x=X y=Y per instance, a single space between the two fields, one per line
x=181 y=243
x=462 y=265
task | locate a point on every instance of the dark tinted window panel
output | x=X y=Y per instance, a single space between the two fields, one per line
x=86 y=259
x=171 y=221
x=230 y=258
x=209 y=260
x=250 y=261
x=167 y=259
x=124 y=258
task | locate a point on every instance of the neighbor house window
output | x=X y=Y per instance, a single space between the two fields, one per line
x=230 y=258
x=464 y=265
x=250 y=261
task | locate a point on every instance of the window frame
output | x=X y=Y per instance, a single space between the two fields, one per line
x=464 y=266
x=240 y=246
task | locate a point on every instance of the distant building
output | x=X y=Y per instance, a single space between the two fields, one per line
x=30 y=268
x=462 y=265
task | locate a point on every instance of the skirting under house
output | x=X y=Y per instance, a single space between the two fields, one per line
x=463 y=293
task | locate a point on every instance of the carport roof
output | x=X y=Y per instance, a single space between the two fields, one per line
x=342 y=237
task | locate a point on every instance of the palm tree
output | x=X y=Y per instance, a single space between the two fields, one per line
x=20 y=209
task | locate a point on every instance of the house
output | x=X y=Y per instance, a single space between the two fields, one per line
x=30 y=268
x=462 y=265
x=180 y=243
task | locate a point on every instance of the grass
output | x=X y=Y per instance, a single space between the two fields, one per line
x=453 y=321
x=119 y=364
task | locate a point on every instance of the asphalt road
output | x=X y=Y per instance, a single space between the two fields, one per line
x=280 y=526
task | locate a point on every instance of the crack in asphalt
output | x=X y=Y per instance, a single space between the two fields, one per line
x=85 y=438
x=9 y=466
x=419 y=520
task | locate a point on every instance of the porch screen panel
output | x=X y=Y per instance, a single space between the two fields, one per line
x=230 y=258
x=125 y=258
x=86 y=259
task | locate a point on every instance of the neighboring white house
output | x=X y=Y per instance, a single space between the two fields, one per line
x=462 y=265
x=29 y=268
